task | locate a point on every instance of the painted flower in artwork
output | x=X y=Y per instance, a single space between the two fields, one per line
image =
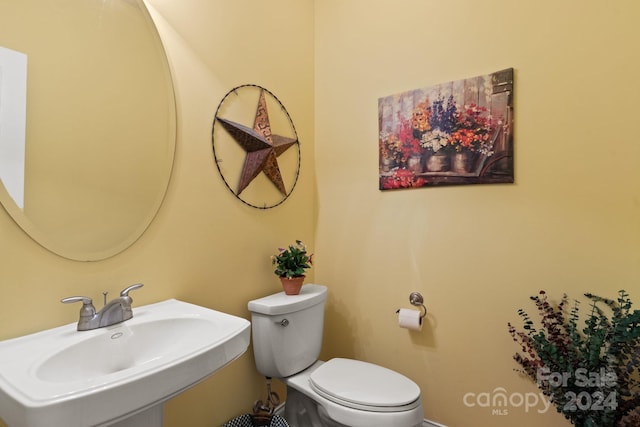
x=436 y=140
x=474 y=131
x=390 y=149
x=442 y=127
x=401 y=178
x=444 y=120
x=455 y=130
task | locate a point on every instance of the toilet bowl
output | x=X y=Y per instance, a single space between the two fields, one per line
x=354 y=394
x=287 y=335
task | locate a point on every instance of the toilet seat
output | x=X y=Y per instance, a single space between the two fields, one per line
x=365 y=386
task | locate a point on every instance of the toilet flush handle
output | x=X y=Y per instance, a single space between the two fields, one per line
x=283 y=322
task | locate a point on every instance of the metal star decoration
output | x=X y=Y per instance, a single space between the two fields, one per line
x=262 y=147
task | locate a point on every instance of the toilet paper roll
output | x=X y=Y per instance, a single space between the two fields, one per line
x=410 y=319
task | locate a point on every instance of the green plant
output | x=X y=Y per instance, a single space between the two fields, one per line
x=292 y=261
x=591 y=374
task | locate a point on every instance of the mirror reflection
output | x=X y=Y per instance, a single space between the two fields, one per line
x=99 y=134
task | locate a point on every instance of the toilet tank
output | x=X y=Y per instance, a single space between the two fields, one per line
x=287 y=330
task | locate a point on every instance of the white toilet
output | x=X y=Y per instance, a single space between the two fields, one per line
x=287 y=337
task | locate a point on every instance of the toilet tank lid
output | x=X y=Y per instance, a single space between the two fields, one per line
x=281 y=303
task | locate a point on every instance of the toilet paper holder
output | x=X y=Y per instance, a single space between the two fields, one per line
x=416 y=299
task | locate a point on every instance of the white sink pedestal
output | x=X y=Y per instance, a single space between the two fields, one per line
x=151 y=417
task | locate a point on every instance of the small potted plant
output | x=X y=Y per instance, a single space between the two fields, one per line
x=291 y=264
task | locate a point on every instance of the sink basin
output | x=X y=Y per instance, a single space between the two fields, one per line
x=62 y=377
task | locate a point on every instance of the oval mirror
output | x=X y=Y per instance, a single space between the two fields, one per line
x=88 y=112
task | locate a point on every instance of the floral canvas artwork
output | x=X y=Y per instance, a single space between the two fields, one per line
x=460 y=132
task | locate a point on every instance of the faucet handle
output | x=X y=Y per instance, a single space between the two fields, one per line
x=87 y=309
x=125 y=292
x=69 y=300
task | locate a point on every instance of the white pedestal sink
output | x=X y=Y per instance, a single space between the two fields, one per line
x=119 y=375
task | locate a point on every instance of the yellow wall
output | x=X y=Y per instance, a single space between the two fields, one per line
x=205 y=246
x=570 y=223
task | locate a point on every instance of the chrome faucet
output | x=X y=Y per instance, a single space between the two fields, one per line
x=115 y=311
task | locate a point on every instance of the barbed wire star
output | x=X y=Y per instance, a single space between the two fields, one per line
x=262 y=147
